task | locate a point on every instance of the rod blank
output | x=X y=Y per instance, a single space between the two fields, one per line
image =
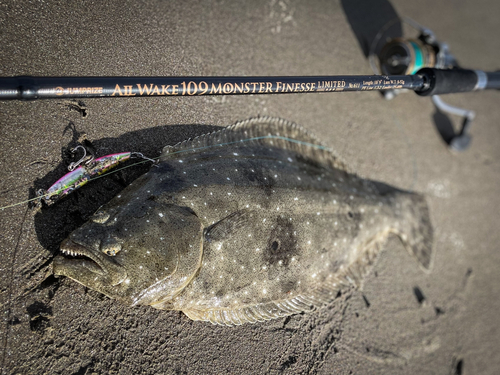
x=31 y=88
x=427 y=81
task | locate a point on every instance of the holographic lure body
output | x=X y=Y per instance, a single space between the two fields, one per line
x=81 y=175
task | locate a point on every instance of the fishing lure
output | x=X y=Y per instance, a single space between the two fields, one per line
x=79 y=175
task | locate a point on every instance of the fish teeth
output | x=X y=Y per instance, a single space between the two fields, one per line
x=70 y=252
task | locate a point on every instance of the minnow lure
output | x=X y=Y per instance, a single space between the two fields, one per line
x=77 y=177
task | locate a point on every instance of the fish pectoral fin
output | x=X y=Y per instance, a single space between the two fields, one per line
x=228 y=226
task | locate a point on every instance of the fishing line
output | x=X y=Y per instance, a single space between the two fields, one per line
x=54 y=193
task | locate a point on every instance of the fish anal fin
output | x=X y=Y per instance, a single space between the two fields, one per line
x=260 y=312
x=302 y=302
x=254 y=313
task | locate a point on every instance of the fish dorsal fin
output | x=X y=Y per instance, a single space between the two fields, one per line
x=266 y=131
x=304 y=302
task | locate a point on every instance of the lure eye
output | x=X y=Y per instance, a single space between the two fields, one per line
x=110 y=247
x=100 y=217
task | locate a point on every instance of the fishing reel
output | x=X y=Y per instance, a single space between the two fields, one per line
x=407 y=55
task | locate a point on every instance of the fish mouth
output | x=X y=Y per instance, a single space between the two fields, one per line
x=77 y=255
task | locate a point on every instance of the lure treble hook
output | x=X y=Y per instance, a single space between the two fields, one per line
x=74 y=165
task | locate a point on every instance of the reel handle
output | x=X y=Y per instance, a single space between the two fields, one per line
x=449 y=81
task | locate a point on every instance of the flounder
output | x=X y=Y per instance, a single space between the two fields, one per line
x=253 y=222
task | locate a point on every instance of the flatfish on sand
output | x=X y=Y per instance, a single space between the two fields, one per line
x=253 y=222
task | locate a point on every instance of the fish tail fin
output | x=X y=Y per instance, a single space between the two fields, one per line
x=416 y=230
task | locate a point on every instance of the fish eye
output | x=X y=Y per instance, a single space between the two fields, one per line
x=100 y=217
x=110 y=247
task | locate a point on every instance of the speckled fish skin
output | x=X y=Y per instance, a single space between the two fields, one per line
x=251 y=223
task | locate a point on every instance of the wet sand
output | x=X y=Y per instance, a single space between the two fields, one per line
x=401 y=320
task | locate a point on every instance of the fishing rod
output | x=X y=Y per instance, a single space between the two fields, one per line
x=425 y=82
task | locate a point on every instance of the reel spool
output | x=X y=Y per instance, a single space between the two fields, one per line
x=406 y=56
x=419 y=49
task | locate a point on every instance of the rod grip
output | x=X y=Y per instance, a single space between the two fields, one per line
x=447 y=81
